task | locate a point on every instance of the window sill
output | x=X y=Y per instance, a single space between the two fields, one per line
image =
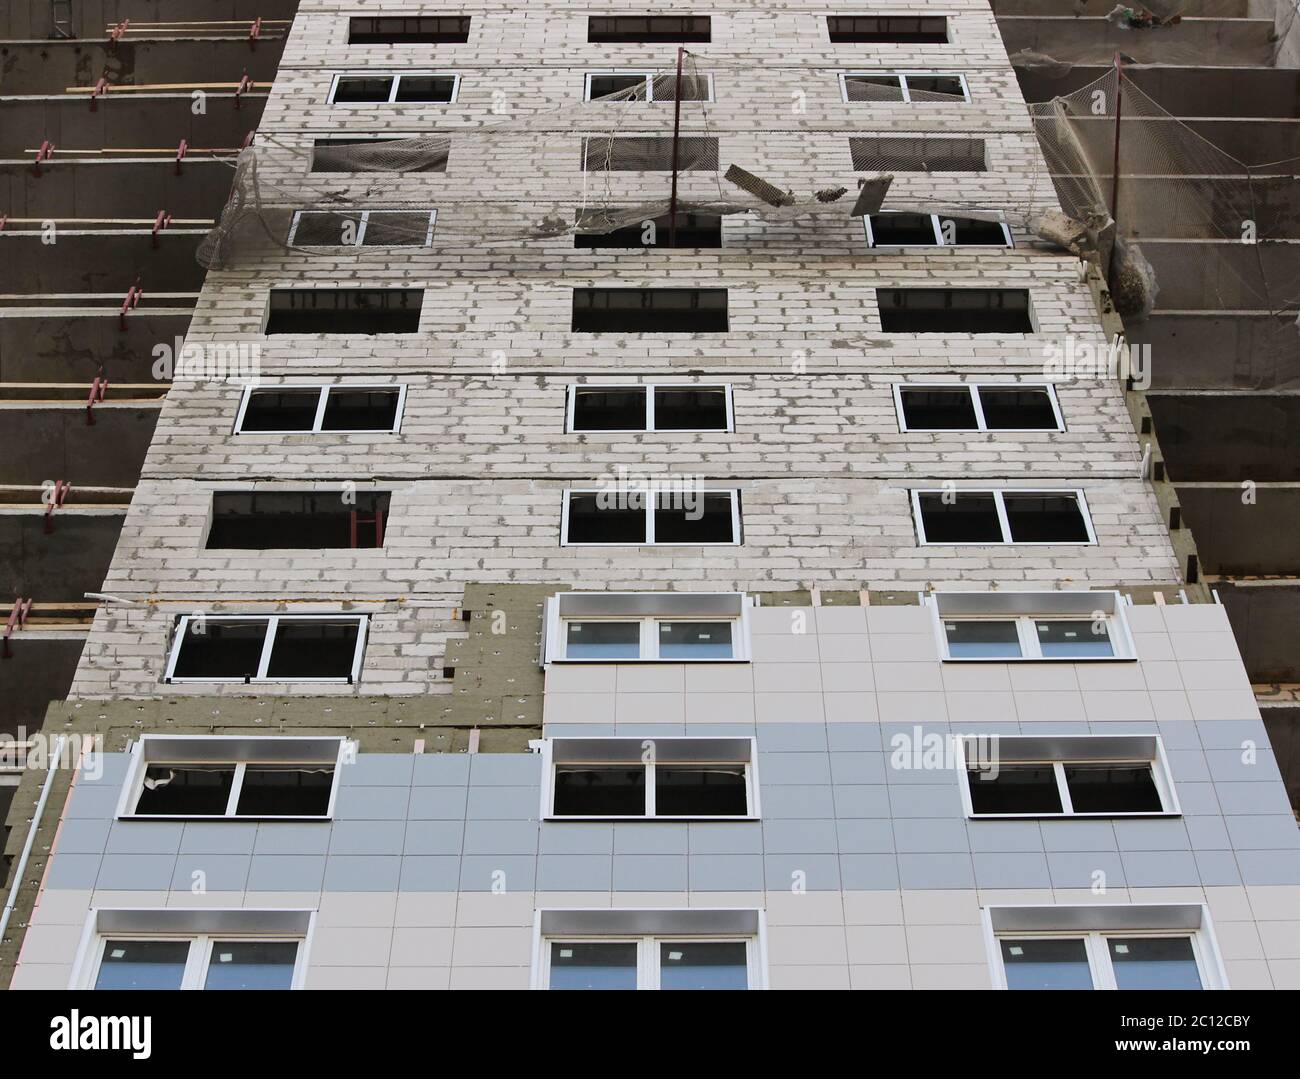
x=200 y=819
x=550 y=817
x=1162 y=814
x=656 y=662
x=1038 y=659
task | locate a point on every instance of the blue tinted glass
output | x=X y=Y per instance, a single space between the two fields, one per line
x=251 y=964
x=593 y=966
x=694 y=640
x=1046 y=964
x=703 y=965
x=602 y=640
x=143 y=964
x=982 y=640
x=1074 y=639
x=1154 y=963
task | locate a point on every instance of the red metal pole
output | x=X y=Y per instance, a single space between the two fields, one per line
x=677 y=127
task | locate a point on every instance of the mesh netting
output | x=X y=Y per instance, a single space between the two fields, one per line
x=1200 y=238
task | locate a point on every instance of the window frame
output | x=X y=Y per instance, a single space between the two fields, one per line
x=321 y=404
x=272 y=622
x=1030 y=645
x=571 y=398
x=651 y=501
x=974 y=389
x=238 y=756
x=361 y=231
x=199 y=959
x=639 y=744
x=1000 y=507
x=902 y=77
x=396 y=76
x=469 y=30
x=649 y=77
x=648 y=964
x=555 y=639
x=938 y=233
x=1160 y=774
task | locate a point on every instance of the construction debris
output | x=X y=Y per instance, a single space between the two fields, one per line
x=760 y=189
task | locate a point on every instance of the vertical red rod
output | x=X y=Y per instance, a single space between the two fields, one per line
x=677 y=127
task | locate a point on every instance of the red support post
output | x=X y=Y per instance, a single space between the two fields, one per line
x=130 y=302
x=181 y=151
x=101 y=88
x=45 y=153
x=254 y=33
x=17 y=619
x=98 y=389
x=61 y=489
x=4 y=219
x=245 y=85
x=248 y=140
x=118 y=32
x=161 y=222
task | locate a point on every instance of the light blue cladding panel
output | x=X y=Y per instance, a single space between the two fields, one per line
x=843 y=807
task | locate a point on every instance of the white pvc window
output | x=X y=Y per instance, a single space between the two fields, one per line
x=268 y=648
x=900 y=229
x=913 y=86
x=649 y=962
x=366 y=226
x=600 y=84
x=1139 y=959
x=684 y=407
x=1033 y=637
x=204 y=961
x=1084 y=776
x=994 y=406
x=296 y=409
x=394 y=88
x=1023 y=517
x=647 y=640
x=639 y=517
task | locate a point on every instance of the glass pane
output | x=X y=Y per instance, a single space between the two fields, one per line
x=960 y=518
x=695 y=640
x=281 y=410
x=251 y=964
x=314 y=648
x=703 y=965
x=593 y=966
x=606 y=85
x=700 y=790
x=902 y=230
x=602 y=640
x=939 y=410
x=390 y=229
x=280 y=790
x=1014 y=788
x=693 y=517
x=690 y=409
x=1046 y=964
x=982 y=640
x=425 y=88
x=1074 y=638
x=321 y=229
x=186 y=790
x=1154 y=963
x=609 y=409
x=609 y=518
x=142 y=964
x=1014 y=409
x=360 y=410
x=972 y=232
x=599 y=790
x=1113 y=788
x=1045 y=519
x=365 y=88
x=213 y=649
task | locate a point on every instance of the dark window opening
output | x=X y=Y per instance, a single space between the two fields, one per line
x=938 y=409
x=362 y=89
x=186 y=790
x=904 y=29
x=391 y=156
x=367 y=228
x=592 y=522
x=599 y=86
x=315 y=520
x=142 y=964
x=652 y=28
x=622 y=409
x=902 y=230
x=894 y=154
x=873 y=87
x=327 y=228
x=699 y=518
x=1041 y=964
x=280 y=410
x=979 y=639
x=436 y=89
x=1016 y=409
x=1015 y=788
x=693 y=230
x=700 y=790
x=1112 y=788
x=352 y=310
x=921 y=87
x=952 y=310
x=649 y=153
x=690 y=408
x=1045 y=518
x=285 y=790
x=360 y=410
x=313 y=648
x=960 y=518
x=602 y=640
x=213 y=649
x=972 y=232
x=650 y=310
x=409 y=30
x=599 y=790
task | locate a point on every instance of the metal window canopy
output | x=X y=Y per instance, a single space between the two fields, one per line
x=241 y=922
x=1013 y=604
x=698 y=921
x=644 y=607
x=1125 y=748
x=230 y=749
x=673 y=750
x=1098 y=918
